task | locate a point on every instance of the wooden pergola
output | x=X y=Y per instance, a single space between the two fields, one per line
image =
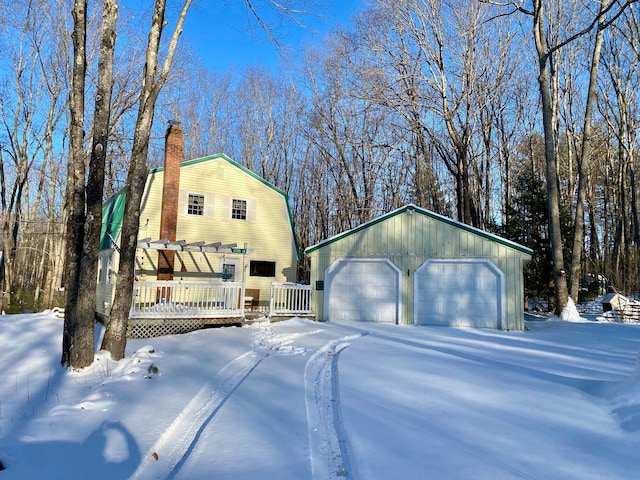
x=184 y=246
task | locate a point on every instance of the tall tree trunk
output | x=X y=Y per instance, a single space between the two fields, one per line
x=620 y=237
x=585 y=160
x=86 y=303
x=553 y=196
x=10 y=222
x=77 y=338
x=115 y=338
x=594 y=253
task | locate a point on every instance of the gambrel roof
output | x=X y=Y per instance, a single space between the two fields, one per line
x=113 y=209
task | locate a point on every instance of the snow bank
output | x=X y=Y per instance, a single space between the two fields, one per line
x=570 y=312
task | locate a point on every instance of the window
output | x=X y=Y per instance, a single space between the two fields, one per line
x=258 y=268
x=196 y=204
x=239 y=209
x=228 y=273
x=230 y=268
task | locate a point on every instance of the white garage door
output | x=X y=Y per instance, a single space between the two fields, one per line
x=461 y=293
x=362 y=289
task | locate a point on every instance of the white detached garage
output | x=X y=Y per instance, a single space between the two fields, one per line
x=412 y=266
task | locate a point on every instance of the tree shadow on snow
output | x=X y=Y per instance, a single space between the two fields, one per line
x=110 y=452
x=598 y=388
x=629 y=417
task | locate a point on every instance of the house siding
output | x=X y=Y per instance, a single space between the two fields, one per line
x=269 y=238
x=104 y=298
x=408 y=239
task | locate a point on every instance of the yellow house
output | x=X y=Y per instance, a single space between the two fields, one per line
x=203 y=220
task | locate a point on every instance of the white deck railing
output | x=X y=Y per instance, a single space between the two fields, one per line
x=290 y=299
x=177 y=299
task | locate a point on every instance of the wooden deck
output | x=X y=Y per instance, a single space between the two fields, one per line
x=173 y=307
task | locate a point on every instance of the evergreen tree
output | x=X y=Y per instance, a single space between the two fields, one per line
x=527 y=223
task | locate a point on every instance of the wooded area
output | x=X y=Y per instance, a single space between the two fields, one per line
x=464 y=108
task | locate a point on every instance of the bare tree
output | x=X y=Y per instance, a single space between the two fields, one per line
x=55 y=246
x=154 y=78
x=31 y=106
x=77 y=339
x=585 y=157
x=79 y=313
x=391 y=74
x=206 y=106
x=347 y=131
x=440 y=65
x=619 y=107
x=266 y=115
x=548 y=28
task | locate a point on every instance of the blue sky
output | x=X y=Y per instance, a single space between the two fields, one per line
x=220 y=35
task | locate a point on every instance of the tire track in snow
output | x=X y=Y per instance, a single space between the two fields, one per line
x=327 y=438
x=172 y=449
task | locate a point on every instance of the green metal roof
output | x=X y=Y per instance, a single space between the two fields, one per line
x=113 y=209
x=426 y=213
x=112 y=215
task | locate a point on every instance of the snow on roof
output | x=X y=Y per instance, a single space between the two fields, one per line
x=609 y=297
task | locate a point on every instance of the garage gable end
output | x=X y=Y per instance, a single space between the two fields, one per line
x=459 y=293
x=362 y=290
x=388 y=230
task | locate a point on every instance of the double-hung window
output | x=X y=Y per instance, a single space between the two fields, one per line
x=195 y=204
x=239 y=209
x=244 y=209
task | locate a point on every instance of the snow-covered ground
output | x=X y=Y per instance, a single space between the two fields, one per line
x=304 y=400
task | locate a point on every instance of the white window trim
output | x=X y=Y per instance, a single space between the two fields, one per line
x=209 y=208
x=246 y=208
x=237 y=263
x=252 y=208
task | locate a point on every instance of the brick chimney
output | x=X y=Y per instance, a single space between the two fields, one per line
x=173 y=154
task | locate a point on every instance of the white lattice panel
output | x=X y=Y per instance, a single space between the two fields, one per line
x=147 y=328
